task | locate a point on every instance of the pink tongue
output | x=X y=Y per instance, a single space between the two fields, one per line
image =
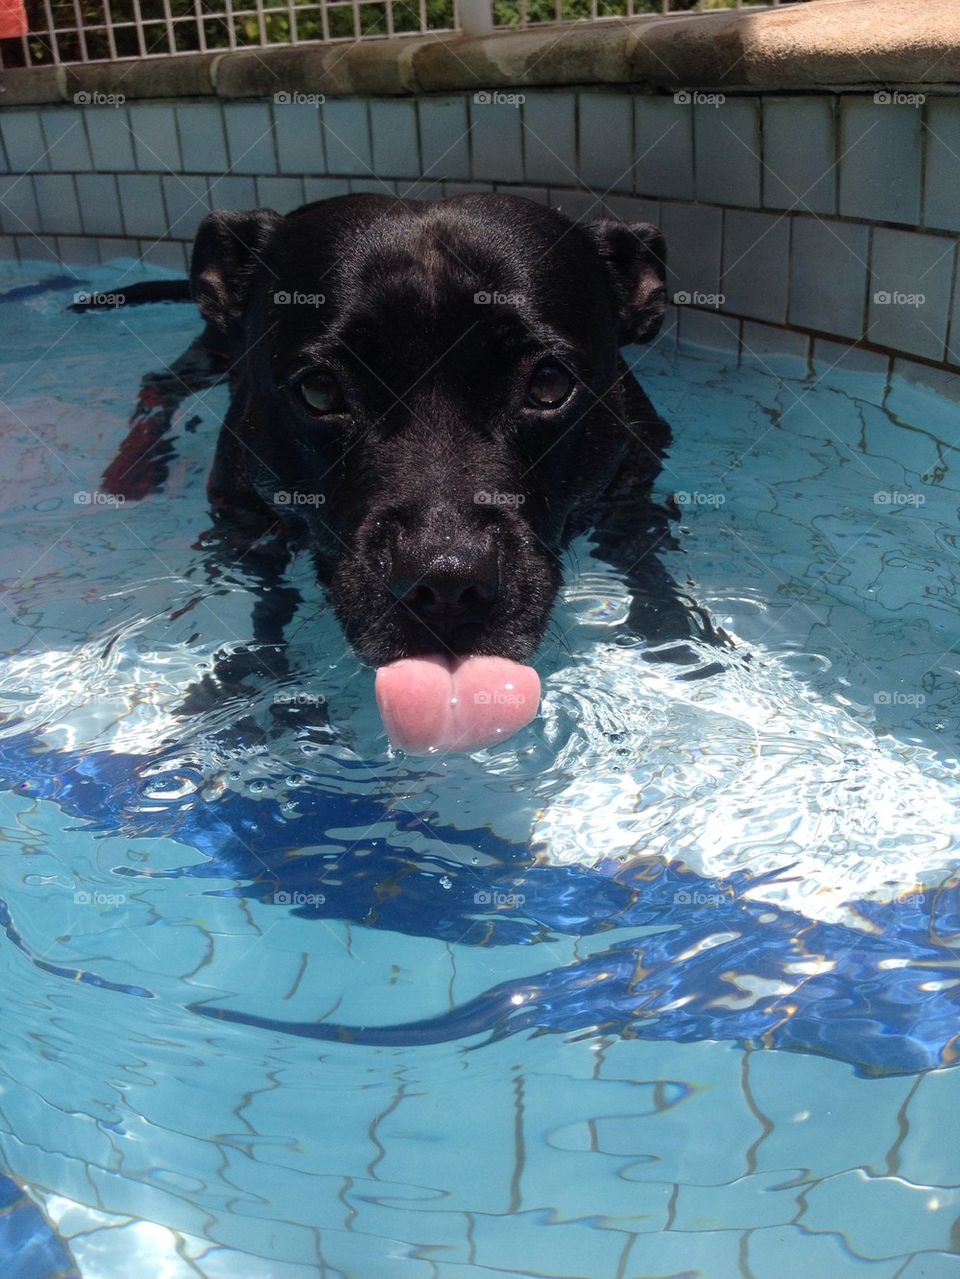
x=455 y=704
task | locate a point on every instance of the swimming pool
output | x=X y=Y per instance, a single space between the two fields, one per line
x=665 y=985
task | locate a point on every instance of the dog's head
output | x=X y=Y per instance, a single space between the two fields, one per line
x=434 y=391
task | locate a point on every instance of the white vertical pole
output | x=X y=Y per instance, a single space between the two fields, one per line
x=476 y=17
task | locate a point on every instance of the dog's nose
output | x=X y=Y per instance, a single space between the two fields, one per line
x=449 y=586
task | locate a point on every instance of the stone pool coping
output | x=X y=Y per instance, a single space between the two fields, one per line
x=836 y=44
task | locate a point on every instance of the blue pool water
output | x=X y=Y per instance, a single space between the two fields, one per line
x=664 y=986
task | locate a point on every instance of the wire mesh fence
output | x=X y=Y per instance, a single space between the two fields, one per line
x=72 y=31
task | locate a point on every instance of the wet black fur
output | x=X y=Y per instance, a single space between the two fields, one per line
x=436 y=416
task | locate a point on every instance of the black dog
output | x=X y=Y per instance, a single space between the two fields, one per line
x=430 y=397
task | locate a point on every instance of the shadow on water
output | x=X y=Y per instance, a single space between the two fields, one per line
x=707 y=963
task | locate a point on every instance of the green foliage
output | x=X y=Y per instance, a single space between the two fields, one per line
x=342 y=22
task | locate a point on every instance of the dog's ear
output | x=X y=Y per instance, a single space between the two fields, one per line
x=226 y=254
x=635 y=256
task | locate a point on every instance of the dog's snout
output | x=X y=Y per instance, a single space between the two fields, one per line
x=447 y=584
x=448 y=592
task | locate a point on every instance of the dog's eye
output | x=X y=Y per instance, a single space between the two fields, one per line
x=321 y=392
x=549 y=386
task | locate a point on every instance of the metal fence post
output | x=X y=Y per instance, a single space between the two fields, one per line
x=476 y=17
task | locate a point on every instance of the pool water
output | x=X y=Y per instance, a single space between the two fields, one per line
x=664 y=986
